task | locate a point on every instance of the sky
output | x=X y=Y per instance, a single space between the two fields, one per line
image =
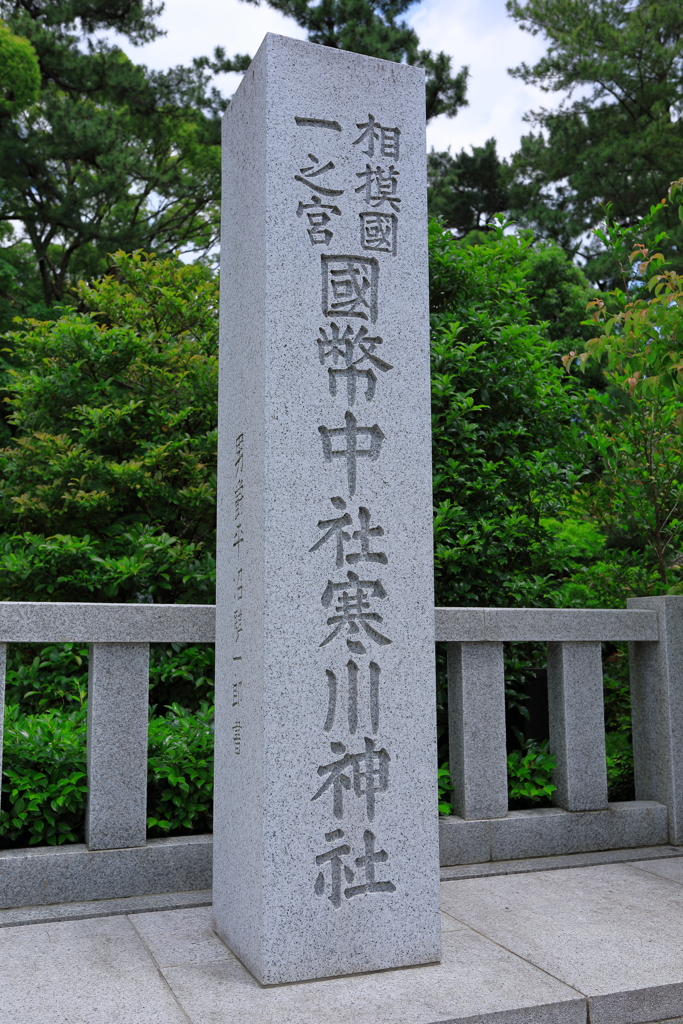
x=474 y=32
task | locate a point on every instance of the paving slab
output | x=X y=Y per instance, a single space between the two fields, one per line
x=477 y=982
x=518 y=949
x=613 y=932
x=673 y=870
x=181 y=937
x=81 y=972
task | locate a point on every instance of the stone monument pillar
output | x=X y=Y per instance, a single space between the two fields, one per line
x=326 y=829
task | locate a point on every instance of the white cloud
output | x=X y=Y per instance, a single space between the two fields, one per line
x=195 y=27
x=474 y=32
x=480 y=33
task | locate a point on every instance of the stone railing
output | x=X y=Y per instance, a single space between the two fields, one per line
x=482 y=829
x=116 y=859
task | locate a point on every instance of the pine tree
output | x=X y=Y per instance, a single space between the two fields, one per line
x=618 y=136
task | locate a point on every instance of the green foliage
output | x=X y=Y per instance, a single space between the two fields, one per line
x=620 y=785
x=19 y=73
x=445 y=789
x=21 y=295
x=99 y=154
x=109 y=155
x=634 y=428
x=43 y=780
x=371 y=27
x=529 y=777
x=108 y=489
x=181 y=674
x=529 y=774
x=467 y=191
x=180 y=772
x=616 y=688
x=55 y=677
x=44 y=789
x=558 y=292
x=501 y=423
x=506 y=450
x=619 y=139
x=43 y=679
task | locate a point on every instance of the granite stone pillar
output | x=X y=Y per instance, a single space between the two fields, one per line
x=476 y=727
x=577 y=725
x=326 y=830
x=118 y=700
x=657 y=710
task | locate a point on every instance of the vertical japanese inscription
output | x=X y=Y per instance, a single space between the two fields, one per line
x=379 y=186
x=238 y=541
x=356 y=598
x=325 y=851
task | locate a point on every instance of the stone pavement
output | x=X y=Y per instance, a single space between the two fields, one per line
x=546 y=947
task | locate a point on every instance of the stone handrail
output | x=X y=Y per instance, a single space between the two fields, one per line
x=56 y=622
x=476 y=699
x=544 y=624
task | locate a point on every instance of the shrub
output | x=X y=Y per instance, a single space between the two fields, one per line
x=44 y=775
x=107 y=490
x=529 y=774
x=43 y=781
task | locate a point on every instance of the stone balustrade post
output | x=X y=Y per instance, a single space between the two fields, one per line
x=657 y=710
x=118 y=697
x=577 y=725
x=476 y=713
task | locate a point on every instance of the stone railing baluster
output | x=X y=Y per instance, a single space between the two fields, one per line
x=476 y=703
x=657 y=710
x=118 y=697
x=577 y=725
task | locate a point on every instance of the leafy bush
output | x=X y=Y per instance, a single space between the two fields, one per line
x=181 y=674
x=529 y=778
x=180 y=772
x=45 y=678
x=618 y=741
x=43 y=781
x=445 y=789
x=620 y=784
x=529 y=774
x=44 y=787
x=504 y=439
x=502 y=426
x=41 y=678
x=107 y=491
